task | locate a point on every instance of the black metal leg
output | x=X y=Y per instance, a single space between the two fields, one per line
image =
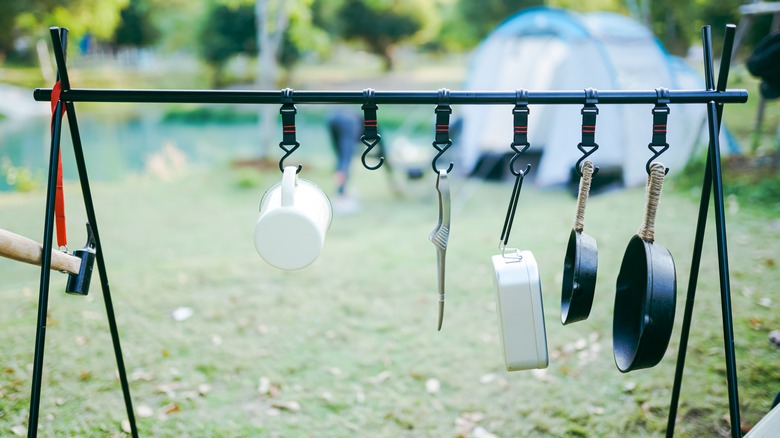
x=723 y=270
x=723 y=75
x=701 y=225
x=87 y=193
x=43 y=296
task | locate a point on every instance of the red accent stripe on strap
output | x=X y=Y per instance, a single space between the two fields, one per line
x=59 y=199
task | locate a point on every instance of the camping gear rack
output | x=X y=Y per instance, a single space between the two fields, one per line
x=713 y=96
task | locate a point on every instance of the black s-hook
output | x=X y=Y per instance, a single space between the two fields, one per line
x=520 y=143
x=288 y=144
x=443 y=112
x=588 y=145
x=370 y=136
x=658 y=145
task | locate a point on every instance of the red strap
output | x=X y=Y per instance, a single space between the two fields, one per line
x=59 y=199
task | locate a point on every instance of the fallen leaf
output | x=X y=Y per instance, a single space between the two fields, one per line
x=480 y=432
x=19 y=430
x=293 y=406
x=141 y=374
x=597 y=410
x=171 y=409
x=85 y=375
x=774 y=337
x=381 y=377
x=432 y=386
x=169 y=389
x=487 y=378
x=755 y=323
x=463 y=426
x=182 y=313
x=144 y=411
x=474 y=417
x=541 y=374
x=360 y=395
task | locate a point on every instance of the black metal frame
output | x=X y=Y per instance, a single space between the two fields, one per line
x=713 y=97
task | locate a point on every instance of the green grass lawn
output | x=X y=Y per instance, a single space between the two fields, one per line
x=348 y=346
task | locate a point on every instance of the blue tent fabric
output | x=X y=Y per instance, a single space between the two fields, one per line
x=546 y=48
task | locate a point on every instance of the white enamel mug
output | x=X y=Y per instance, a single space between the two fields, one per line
x=294 y=217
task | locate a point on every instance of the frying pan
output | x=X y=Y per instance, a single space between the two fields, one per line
x=581 y=261
x=646 y=292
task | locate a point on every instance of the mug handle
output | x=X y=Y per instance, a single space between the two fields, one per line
x=289 y=181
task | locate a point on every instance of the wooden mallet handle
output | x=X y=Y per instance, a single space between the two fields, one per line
x=20 y=248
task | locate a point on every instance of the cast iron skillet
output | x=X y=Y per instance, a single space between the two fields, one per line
x=646 y=292
x=581 y=261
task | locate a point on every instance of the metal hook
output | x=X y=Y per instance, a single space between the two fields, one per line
x=589 y=113
x=287 y=153
x=443 y=112
x=660 y=114
x=520 y=112
x=370 y=127
x=288 y=112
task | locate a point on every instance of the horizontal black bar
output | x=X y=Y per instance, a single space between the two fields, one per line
x=385 y=97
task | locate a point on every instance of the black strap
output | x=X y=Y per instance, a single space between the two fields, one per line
x=521 y=112
x=288 y=112
x=369 y=108
x=660 y=116
x=443 y=111
x=589 y=113
x=658 y=145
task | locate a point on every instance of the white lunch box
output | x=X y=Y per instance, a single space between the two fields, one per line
x=520 y=311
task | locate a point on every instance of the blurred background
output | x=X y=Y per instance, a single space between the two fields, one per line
x=217 y=343
x=386 y=45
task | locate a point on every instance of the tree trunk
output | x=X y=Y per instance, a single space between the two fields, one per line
x=269 y=36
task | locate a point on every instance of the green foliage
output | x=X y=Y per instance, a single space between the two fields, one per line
x=753 y=182
x=208 y=114
x=474 y=20
x=380 y=24
x=227 y=31
x=136 y=27
x=20 y=179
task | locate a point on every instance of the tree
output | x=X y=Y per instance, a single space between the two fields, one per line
x=227 y=31
x=475 y=19
x=32 y=18
x=136 y=28
x=381 y=25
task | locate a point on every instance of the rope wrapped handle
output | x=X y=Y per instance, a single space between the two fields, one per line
x=655 y=182
x=582 y=196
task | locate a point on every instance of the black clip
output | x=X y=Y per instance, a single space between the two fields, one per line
x=288 y=112
x=370 y=136
x=520 y=112
x=443 y=112
x=659 y=145
x=589 y=113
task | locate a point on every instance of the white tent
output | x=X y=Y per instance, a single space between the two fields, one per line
x=553 y=49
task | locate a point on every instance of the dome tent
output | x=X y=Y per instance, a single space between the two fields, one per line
x=554 y=49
